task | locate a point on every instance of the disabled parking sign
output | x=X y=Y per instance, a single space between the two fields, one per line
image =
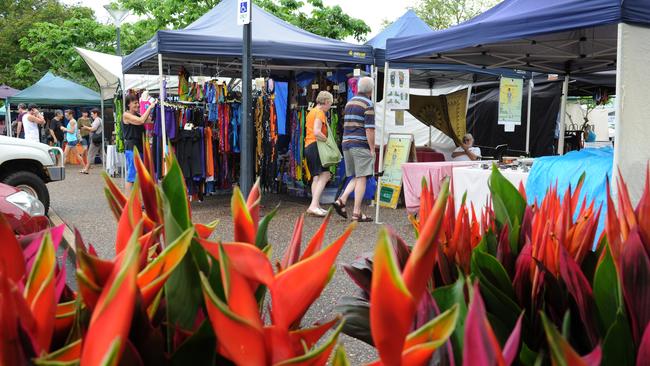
x=243 y=12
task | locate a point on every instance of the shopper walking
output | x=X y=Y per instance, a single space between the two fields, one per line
x=133 y=132
x=55 y=128
x=358 y=148
x=71 y=137
x=95 y=133
x=317 y=131
x=31 y=120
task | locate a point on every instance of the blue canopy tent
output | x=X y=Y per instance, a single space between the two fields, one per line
x=407 y=25
x=215 y=38
x=558 y=36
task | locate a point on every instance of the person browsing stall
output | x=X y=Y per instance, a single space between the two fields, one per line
x=31 y=120
x=71 y=137
x=358 y=148
x=94 y=130
x=466 y=151
x=133 y=132
x=55 y=128
x=317 y=131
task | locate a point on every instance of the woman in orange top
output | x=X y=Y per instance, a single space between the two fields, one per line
x=317 y=131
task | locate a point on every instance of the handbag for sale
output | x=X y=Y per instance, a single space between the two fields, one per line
x=328 y=151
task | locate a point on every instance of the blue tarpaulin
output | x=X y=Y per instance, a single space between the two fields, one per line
x=530 y=34
x=216 y=34
x=549 y=171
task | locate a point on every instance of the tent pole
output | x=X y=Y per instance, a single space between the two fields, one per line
x=8 y=118
x=381 y=144
x=565 y=96
x=162 y=112
x=103 y=134
x=530 y=101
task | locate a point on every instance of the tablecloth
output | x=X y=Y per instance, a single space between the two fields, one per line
x=412 y=174
x=474 y=181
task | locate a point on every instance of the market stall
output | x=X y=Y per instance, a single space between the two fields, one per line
x=568 y=37
x=211 y=111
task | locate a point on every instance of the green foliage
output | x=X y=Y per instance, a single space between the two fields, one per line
x=441 y=14
x=327 y=21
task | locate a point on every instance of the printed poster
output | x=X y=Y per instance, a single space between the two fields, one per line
x=510 y=101
x=396 y=153
x=397 y=96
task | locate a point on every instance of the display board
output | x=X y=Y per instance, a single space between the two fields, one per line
x=397 y=96
x=398 y=150
x=510 y=101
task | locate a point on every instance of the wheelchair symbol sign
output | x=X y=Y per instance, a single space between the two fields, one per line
x=243 y=12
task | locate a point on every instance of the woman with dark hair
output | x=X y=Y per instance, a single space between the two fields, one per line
x=133 y=132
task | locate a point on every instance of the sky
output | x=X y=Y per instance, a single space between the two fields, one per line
x=373 y=12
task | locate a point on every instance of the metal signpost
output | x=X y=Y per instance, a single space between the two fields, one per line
x=247 y=163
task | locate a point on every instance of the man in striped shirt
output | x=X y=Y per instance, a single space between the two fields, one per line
x=358 y=147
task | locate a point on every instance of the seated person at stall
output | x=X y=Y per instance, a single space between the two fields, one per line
x=466 y=151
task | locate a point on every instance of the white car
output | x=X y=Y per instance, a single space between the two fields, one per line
x=29 y=166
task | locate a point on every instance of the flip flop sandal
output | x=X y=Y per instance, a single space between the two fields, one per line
x=316 y=213
x=361 y=218
x=340 y=209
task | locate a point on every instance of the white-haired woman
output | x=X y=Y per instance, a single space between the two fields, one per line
x=317 y=131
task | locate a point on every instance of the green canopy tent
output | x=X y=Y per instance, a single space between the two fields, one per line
x=53 y=90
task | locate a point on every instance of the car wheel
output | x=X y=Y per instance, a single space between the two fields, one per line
x=32 y=184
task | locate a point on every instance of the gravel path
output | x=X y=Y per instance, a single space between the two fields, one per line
x=80 y=201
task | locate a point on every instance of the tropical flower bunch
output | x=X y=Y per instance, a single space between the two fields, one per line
x=171 y=295
x=524 y=279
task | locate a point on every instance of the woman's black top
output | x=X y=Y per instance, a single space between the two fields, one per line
x=132 y=135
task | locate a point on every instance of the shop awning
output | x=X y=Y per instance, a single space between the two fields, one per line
x=216 y=37
x=554 y=36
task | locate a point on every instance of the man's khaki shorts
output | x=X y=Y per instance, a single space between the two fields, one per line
x=358 y=162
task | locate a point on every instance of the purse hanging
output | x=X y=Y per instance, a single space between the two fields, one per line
x=328 y=151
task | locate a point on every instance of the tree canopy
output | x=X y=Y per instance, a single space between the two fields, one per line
x=40 y=35
x=441 y=14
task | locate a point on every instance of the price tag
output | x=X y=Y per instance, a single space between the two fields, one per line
x=329 y=73
x=336 y=87
x=357 y=72
x=314 y=86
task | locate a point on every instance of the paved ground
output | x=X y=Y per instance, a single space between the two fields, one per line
x=80 y=201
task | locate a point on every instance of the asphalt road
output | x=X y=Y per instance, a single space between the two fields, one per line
x=79 y=200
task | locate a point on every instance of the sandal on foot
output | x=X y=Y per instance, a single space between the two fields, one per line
x=317 y=213
x=340 y=208
x=361 y=218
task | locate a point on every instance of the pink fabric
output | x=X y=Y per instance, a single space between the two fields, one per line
x=412 y=174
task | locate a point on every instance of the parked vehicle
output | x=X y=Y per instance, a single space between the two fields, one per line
x=25 y=213
x=29 y=166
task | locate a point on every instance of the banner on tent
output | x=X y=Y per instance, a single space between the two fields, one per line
x=446 y=113
x=510 y=101
x=398 y=150
x=398 y=89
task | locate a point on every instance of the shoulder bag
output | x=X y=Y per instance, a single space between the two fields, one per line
x=328 y=151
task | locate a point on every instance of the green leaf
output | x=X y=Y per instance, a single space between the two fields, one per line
x=446 y=297
x=496 y=288
x=182 y=289
x=174 y=189
x=262 y=240
x=509 y=205
x=488 y=243
x=618 y=346
x=198 y=349
x=607 y=291
x=356 y=312
x=527 y=357
x=513 y=237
